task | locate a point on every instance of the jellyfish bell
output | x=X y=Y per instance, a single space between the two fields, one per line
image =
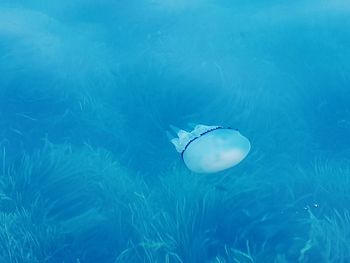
x=210 y=149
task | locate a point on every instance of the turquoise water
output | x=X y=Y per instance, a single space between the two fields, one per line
x=88 y=89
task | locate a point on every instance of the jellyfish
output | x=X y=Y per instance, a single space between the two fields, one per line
x=210 y=149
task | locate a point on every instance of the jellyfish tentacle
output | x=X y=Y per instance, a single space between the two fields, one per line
x=174 y=140
x=181 y=139
x=169 y=135
x=174 y=129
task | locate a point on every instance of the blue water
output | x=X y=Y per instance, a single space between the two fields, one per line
x=88 y=89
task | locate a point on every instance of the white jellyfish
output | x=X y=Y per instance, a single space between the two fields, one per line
x=210 y=149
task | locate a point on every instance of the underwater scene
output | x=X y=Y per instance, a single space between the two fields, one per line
x=174 y=131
